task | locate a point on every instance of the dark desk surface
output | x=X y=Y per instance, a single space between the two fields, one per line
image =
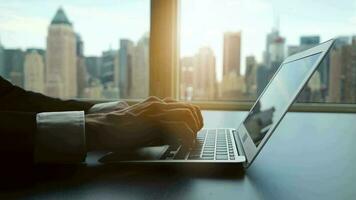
x=310 y=156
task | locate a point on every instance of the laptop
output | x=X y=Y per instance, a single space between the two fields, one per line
x=243 y=144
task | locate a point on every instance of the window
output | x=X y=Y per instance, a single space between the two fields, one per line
x=230 y=49
x=77 y=49
x=219 y=53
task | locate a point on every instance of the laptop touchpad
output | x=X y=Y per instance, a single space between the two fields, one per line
x=145 y=153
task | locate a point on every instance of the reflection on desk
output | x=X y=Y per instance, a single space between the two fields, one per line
x=310 y=156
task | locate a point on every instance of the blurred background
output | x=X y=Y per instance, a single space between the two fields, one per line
x=229 y=49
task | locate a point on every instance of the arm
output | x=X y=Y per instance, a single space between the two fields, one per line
x=27 y=134
x=50 y=137
x=65 y=137
x=17 y=133
x=13 y=98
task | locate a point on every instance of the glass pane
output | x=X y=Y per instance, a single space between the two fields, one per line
x=231 y=48
x=77 y=49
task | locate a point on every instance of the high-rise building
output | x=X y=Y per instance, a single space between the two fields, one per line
x=307 y=42
x=34 y=79
x=79 y=45
x=107 y=68
x=232 y=53
x=93 y=64
x=232 y=87
x=61 y=58
x=186 y=77
x=125 y=67
x=94 y=89
x=109 y=71
x=336 y=61
x=274 y=52
x=272 y=58
x=343 y=73
x=311 y=40
x=140 y=69
x=13 y=70
x=204 y=81
x=250 y=77
x=338 y=58
x=350 y=75
x=82 y=74
x=263 y=75
x=2 y=60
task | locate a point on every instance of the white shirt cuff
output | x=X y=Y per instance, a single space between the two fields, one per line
x=60 y=137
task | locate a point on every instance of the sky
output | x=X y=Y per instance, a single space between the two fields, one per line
x=203 y=23
x=101 y=23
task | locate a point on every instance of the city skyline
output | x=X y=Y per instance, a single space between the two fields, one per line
x=23 y=24
x=62 y=70
x=71 y=73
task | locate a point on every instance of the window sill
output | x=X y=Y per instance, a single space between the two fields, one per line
x=245 y=106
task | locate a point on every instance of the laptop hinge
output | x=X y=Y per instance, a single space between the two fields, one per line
x=238 y=142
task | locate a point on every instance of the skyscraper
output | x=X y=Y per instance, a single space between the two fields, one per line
x=250 y=77
x=109 y=71
x=274 y=52
x=81 y=68
x=34 y=70
x=310 y=40
x=61 y=58
x=263 y=76
x=125 y=67
x=186 y=76
x=2 y=60
x=321 y=76
x=93 y=64
x=108 y=66
x=204 y=81
x=140 y=69
x=343 y=73
x=13 y=69
x=306 y=42
x=350 y=75
x=232 y=53
x=272 y=58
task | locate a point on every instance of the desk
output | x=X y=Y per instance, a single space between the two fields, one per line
x=310 y=156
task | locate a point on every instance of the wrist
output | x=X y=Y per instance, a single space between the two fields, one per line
x=92 y=127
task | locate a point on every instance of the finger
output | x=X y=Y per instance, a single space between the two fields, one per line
x=177 y=115
x=179 y=131
x=169 y=100
x=197 y=115
x=121 y=105
x=200 y=116
x=147 y=108
x=147 y=102
x=150 y=102
x=152 y=99
x=187 y=106
x=124 y=103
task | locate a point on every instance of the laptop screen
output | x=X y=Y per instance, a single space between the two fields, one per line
x=277 y=97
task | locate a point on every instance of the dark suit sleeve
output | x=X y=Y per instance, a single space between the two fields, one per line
x=18 y=110
x=13 y=98
x=16 y=136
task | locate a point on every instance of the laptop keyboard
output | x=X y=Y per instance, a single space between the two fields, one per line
x=214 y=144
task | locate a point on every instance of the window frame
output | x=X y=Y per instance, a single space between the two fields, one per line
x=165 y=63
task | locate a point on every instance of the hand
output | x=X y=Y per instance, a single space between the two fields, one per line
x=150 y=121
x=108 y=107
